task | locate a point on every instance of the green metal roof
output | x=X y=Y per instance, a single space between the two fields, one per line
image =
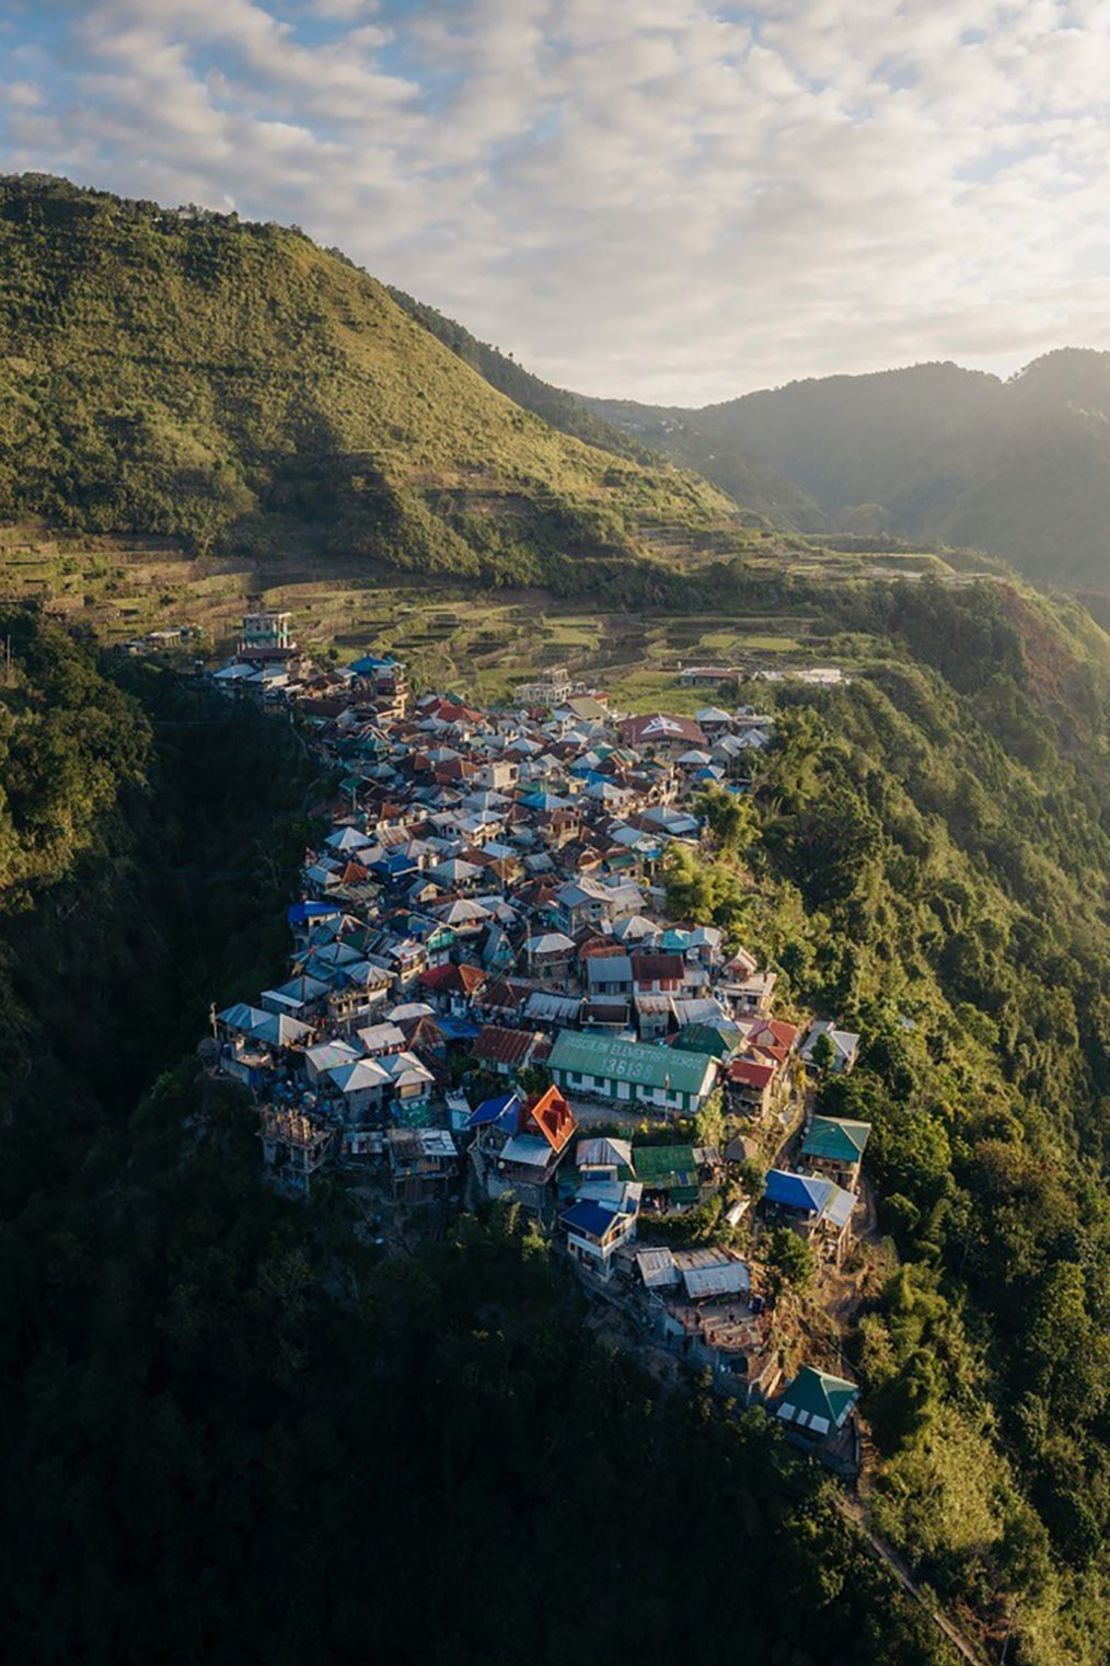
x=666 y=1166
x=837 y=1139
x=814 y=1394
x=637 y=1062
x=719 y=1040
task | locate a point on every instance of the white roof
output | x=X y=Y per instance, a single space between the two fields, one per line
x=550 y=942
x=730 y=1278
x=527 y=1149
x=357 y=1077
x=377 y=1037
x=327 y=1054
x=657 y=1268
x=603 y=1152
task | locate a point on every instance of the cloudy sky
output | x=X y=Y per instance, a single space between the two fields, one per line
x=668 y=199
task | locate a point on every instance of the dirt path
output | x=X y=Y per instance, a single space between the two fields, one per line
x=853 y=1509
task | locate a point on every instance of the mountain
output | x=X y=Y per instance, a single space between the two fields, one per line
x=562 y=410
x=185 y=373
x=616 y=427
x=932 y=454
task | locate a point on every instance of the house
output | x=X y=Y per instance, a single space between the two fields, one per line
x=379 y=1039
x=359 y=1087
x=754 y=994
x=813 y=1205
x=632 y=1072
x=842 y=1050
x=655 y=1016
x=670 y=1175
x=834 y=1146
x=411 y=1083
x=657 y=730
x=608 y=975
x=721 y=1040
x=325 y=1056
x=603 y=1158
x=452 y=986
x=504 y=1052
x=494 y=1121
x=423 y=1163
x=705 y=676
x=295 y=1147
x=816 y=1406
x=549 y=956
x=531 y=1155
x=658 y=974
x=596 y=1228
x=749 y=1086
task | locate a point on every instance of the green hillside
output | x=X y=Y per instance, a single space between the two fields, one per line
x=184 y=373
x=563 y=410
x=1020 y=469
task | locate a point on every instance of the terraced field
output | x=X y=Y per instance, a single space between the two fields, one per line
x=478 y=642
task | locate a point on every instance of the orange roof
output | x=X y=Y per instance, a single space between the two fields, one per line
x=550 y=1115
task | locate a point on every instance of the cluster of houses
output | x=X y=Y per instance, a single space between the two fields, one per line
x=486 y=999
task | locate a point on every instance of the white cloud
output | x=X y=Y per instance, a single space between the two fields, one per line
x=673 y=199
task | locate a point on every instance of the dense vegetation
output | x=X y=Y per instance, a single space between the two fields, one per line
x=230 y=1434
x=1019 y=468
x=933 y=856
x=232 y=384
x=146 y=835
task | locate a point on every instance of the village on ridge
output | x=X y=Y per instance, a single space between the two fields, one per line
x=487 y=1001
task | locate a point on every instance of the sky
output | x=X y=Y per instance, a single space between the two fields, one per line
x=670 y=200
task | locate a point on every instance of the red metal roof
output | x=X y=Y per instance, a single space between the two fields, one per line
x=497 y=1045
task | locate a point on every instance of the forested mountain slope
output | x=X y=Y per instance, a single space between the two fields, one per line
x=933 y=856
x=934 y=453
x=218 y=1402
x=186 y=373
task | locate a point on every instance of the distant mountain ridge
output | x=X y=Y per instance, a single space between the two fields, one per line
x=182 y=372
x=932 y=453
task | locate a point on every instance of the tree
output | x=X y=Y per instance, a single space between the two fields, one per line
x=791 y=1259
x=823 y=1054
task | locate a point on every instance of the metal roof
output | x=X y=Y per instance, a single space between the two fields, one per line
x=728 y=1278
x=836 y=1138
x=657 y=1268
x=639 y=1063
x=587 y=1216
x=817 y=1401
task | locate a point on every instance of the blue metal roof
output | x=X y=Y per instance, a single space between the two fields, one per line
x=591 y=1217
x=797 y=1191
x=302 y=911
x=495 y=1110
x=394 y=865
x=458 y=1029
x=371 y=662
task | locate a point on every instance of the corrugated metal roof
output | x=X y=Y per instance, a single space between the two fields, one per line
x=657 y=1268
x=729 y=1278
x=635 y=1062
x=837 y=1139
